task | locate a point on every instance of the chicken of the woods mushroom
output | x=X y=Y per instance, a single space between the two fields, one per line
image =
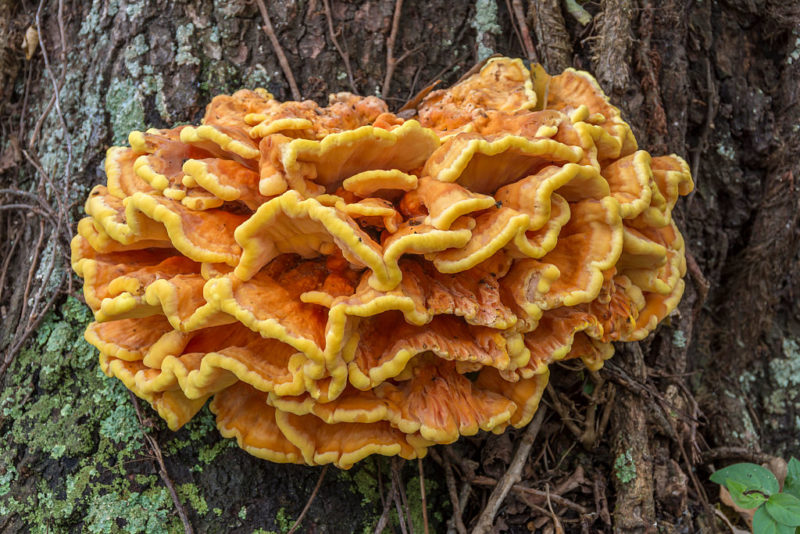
x=341 y=281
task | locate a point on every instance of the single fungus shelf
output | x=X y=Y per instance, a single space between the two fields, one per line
x=341 y=281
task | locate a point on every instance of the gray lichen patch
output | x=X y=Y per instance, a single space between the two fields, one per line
x=782 y=402
x=133 y=52
x=124 y=102
x=257 y=76
x=184 y=35
x=786 y=371
x=486 y=26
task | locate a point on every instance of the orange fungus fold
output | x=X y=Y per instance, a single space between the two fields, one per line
x=341 y=281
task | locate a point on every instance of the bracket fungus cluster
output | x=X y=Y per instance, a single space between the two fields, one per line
x=344 y=281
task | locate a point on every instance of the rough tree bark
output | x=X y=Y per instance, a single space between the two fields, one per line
x=716 y=82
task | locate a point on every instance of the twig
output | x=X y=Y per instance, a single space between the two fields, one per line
x=563 y=413
x=342 y=53
x=32 y=270
x=519 y=488
x=467 y=470
x=63 y=216
x=590 y=432
x=162 y=468
x=310 y=500
x=7 y=260
x=26 y=194
x=387 y=506
x=511 y=476
x=565 y=455
x=391 y=62
x=556 y=523
x=463 y=496
x=398 y=480
x=519 y=13
x=379 y=476
x=22 y=207
x=607 y=410
x=514 y=25
x=455 y=502
x=600 y=500
x=544 y=513
x=740 y=453
x=396 y=489
x=38 y=127
x=696 y=414
x=725 y=520
x=276 y=45
x=422 y=493
x=414 y=81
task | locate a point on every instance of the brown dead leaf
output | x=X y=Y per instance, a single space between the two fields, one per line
x=747 y=515
x=30 y=41
x=571 y=482
x=779 y=468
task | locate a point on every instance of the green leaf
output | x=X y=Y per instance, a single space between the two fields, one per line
x=744 y=498
x=785 y=508
x=792 y=482
x=753 y=476
x=763 y=523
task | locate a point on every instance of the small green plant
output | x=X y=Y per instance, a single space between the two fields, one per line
x=754 y=487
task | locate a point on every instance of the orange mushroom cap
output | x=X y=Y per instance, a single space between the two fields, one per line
x=345 y=282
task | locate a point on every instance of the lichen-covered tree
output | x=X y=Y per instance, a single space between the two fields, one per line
x=715 y=82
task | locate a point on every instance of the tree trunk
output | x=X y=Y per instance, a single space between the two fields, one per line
x=715 y=82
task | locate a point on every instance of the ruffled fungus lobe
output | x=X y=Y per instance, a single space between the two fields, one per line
x=345 y=282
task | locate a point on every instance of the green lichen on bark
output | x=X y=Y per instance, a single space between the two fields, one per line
x=625 y=468
x=56 y=403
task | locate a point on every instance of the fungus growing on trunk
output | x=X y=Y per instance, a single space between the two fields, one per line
x=346 y=282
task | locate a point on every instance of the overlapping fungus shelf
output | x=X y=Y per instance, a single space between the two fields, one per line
x=341 y=281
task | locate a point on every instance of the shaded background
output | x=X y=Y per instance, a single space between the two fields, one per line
x=715 y=82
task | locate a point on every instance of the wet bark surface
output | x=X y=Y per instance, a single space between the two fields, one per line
x=715 y=82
